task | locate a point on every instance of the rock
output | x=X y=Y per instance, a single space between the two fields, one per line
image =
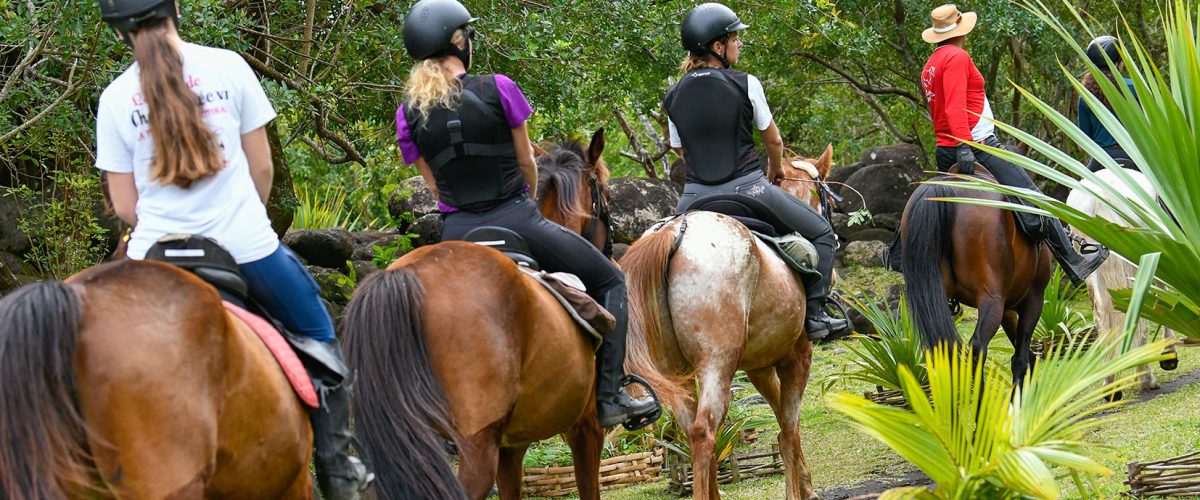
x=336 y=287
x=366 y=241
x=12 y=240
x=428 y=229
x=895 y=154
x=678 y=173
x=637 y=203
x=8 y=279
x=412 y=197
x=861 y=324
x=864 y=253
x=870 y=234
x=619 y=250
x=840 y=174
x=363 y=268
x=887 y=177
x=890 y=222
x=329 y=248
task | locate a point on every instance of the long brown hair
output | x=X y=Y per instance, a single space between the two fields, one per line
x=185 y=150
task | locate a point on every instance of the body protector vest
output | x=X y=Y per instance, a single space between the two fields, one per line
x=470 y=148
x=712 y=112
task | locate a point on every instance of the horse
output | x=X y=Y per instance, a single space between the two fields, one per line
x=131 y=380
x=453 y=342
x=573 y=190
x=684 y=330
x=977 y=256
x=1117 y=273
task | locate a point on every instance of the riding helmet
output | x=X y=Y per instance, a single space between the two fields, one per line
x=431 y=24
x=705 y=23
x=125 y=15
x=1101 y=46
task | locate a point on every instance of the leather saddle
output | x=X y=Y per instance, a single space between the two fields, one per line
x=768 y=227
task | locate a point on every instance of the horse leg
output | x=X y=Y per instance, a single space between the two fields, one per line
x=1146 y=380
x=766 y=381
x=478 y=459
x=509 y=475
x=1030 y=310
x=991 y=314
x=586 y=439
x=1172 y=362
x=793 y=374
x=715 y=380
x=302 y=488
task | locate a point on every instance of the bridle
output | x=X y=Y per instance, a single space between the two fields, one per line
x=600 y=215
x=824 y=195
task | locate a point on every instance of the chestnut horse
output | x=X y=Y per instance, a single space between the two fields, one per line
x=453 y=342
x=977 y=256
x=573 y=190
x=707 y=298
x=131 y=380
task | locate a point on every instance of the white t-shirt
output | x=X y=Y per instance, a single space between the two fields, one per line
x=758 y=99
x=224 y=206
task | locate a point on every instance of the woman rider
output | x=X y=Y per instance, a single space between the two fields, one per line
x=468 y=136
x=180 y=133
x=1097 y=50
x=960 y=110
x=713 y=110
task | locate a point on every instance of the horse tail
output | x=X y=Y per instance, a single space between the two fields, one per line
x=646 y=264
x=400 y=409
x=926 y=243
x=43 y=438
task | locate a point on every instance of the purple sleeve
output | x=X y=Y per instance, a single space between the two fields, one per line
x=516 y=108
x=404 y=139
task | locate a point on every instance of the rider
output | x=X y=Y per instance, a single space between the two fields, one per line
x=467 y=134
x=1100 y=47
x=713 y=111
x=181 y=135
x=954 y=88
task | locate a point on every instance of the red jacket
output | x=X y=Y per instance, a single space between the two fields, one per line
x=954 y=88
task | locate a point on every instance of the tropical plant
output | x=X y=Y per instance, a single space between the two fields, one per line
x=1159 y=127
x=64 y=235
x=1059 y=320
x=747 y=412
x=324 y=209
x=877 y=358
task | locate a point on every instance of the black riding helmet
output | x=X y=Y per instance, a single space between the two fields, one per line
x=1101 y=46
x=430 y=25
x=126 y=15
x=706 y=23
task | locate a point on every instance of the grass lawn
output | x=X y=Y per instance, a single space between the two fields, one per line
x=840 y=456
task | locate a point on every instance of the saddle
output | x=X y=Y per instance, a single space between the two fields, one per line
x=566 y=288
x=297 y=356
x=767 y=226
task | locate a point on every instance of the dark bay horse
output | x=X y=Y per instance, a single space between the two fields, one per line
x=453 y=342
x=131 y=380
x=977 y=256
x=573 y=190
x=707 y=298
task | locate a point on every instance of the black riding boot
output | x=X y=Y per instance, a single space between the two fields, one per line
x=613 y=404
x=340 y=476
x=818 y=324
x=1077 y=266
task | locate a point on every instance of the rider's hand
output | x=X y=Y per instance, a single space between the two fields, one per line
x=966 y=160
x=775 y=175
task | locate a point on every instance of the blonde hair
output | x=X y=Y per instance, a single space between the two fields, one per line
x=430 y=84
x=693 y=62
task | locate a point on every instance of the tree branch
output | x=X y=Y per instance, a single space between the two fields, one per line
x=856 y=83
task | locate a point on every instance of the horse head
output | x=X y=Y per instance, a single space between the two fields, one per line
x=804 y=177
x=573 y=189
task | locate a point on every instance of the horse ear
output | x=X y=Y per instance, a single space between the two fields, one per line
x=825 y=161
x=538 y=150
x=596 y=148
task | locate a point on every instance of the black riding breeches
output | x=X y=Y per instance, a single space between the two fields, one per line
x=799 y=217
x=1116 y=153
x=555 y=247
x=1004 y=171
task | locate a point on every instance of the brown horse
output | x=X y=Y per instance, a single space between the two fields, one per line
x=977 y=256
x=131 y=380
x=685 y=331
x=573 y=190
x=453 y=342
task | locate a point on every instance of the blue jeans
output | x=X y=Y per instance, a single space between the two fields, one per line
x=281 y=285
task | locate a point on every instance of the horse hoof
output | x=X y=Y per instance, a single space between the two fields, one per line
x=1116 y=396
x=1169 y=363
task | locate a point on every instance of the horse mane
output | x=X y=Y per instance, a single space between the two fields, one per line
x=561 y=171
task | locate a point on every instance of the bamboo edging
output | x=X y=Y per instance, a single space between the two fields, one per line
x=733 y=469
x=615 y=472
x=1176 y=477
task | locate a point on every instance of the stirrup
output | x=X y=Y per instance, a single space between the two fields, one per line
x=1088 y=248
x=640 y=421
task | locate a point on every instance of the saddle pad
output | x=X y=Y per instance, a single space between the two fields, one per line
x=283 y=353
x=797 y=252
x=569 y=291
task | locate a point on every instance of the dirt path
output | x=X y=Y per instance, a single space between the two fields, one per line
x=871 y=488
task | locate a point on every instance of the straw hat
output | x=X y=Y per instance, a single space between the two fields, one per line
x=948 y=23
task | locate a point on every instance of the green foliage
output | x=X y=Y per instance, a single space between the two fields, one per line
x=322 y=209
x=64 y=234
x=1159 y=128
x=1059 y=319
x=346 y=283
x=744 y=415
x=385 y=255
x=877 y=359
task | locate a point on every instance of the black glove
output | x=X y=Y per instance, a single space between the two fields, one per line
x=966 y=160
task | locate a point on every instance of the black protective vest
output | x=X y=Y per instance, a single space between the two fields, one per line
x=470 y=148
x=711 y=109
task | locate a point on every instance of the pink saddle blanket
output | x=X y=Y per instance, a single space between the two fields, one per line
x=283 y=353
